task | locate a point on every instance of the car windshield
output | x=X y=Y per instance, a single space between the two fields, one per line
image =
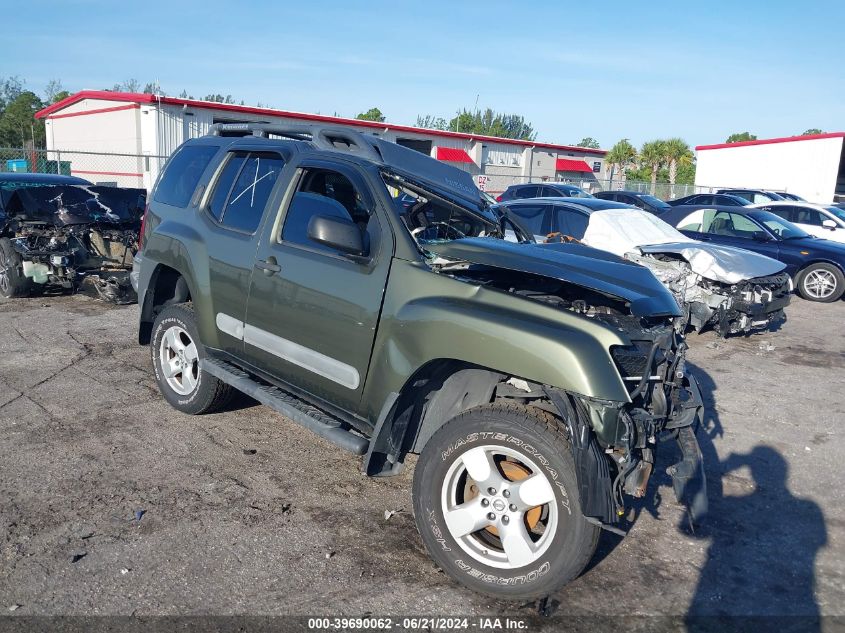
x=836 y=211
x=432 y=218
x=782 y=228
x=655 y=202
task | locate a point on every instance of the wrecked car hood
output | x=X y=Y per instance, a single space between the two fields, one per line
x=622 y=231
x=573 y=263
x=63 y=205
x=721 y=263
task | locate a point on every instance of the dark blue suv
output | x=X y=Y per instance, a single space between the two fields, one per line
x=542 y=190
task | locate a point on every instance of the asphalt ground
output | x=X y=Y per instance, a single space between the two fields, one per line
x=113 y=503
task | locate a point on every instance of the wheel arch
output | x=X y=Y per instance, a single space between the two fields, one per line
x=167 y=286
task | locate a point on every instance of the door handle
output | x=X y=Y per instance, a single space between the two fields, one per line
x=269 y=265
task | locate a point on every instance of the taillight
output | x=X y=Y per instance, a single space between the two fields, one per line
x=499 y=197
x=143 y=223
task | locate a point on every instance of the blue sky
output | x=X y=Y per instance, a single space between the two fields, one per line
x=698 y=70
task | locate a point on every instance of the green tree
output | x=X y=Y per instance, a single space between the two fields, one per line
x=653 y=156
x=54 y=91
x=620 y=156
x=218 y=98
x=589 y=141
x=491 y=123
x=739 y=137
x=431 y=122
x=18 y=124
x=677 y=153
x=373 y=114
x=812 y=130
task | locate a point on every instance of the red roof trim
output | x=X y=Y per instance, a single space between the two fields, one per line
x=452 y=155
x=569 y=164
x=769 y=141
x=131 y=106
x=148 y=98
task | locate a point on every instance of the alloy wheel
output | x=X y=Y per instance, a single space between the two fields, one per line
x=819 y=283
x=179 y=360
x=499 y=507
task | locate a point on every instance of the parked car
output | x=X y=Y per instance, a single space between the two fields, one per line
x=542 y=190
x=70 y=235
x=754 y=196
x=816 y=265
x=531 y=380
x=732 y=290
x=643 y=201
x=825 y=221
x=709 y=198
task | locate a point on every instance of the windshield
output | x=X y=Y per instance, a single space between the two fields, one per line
x=655 y=202
x=836 y=211
x=782 y=228
x=433 y=218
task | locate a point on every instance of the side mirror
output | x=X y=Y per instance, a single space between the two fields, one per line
x=829 y=224
x=342 y=234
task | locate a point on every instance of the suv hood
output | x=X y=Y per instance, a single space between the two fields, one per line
x=574 y=263
x=725 y=264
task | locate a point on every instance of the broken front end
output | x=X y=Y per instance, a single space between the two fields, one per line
x=77 y=237
x=742 y=307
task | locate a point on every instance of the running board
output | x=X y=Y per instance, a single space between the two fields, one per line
x=288 y=405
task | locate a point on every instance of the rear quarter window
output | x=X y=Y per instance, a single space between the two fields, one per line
x=182 y=174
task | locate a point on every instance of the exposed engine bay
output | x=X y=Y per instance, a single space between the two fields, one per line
x=76 y=237
x=740 y=308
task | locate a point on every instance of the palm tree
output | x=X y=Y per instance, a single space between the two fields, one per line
x=677 y=153
x=653 y=155
x=620 y=156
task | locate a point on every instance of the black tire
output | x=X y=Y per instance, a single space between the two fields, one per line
x=814 y=293
x=208 y=394
x=532 y=433
x=13 y=283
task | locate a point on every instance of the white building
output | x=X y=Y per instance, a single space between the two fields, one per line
x=145 y=127
x=811 y=166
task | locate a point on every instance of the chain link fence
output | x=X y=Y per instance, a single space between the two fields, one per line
x=121 y=170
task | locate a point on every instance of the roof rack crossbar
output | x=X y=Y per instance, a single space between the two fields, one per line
x=324 y=137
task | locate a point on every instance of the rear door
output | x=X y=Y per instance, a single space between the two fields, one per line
x=231 y=214
x=312 y=312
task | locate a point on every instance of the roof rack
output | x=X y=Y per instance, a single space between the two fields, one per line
x=324 y=137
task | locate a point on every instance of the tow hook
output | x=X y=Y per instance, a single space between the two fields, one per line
x=688 y=475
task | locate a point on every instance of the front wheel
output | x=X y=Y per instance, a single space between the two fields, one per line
x=13 y=283
x=821 y=282
x=496 y=503
x=176 y=354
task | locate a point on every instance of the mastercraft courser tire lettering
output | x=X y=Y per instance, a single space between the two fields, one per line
x=176 y=351
x=495 y=502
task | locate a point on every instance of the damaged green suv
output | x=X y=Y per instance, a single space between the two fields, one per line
x=365 y=291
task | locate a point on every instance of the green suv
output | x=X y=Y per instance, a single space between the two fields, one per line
x=365 y=291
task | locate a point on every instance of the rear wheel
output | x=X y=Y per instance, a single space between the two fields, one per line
x=176 y=354
x=821 y=282
x=496 y=503
x=13 y=283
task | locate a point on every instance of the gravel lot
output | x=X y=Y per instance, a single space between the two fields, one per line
x=111 y=502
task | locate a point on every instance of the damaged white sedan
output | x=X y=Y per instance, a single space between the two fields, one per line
x=730 y=289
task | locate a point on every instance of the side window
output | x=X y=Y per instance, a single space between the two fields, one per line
x=733 y=225
x=548 y=192
x=787 y=213
x=803 y=215
x=323 y=192
x=182 y=174
x=534 y=218
x=697 y=221
x=527 y=192
x=571 y=223
x=243 y=188
x=703 y=200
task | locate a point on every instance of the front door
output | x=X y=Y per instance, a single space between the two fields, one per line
x=312 y=312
